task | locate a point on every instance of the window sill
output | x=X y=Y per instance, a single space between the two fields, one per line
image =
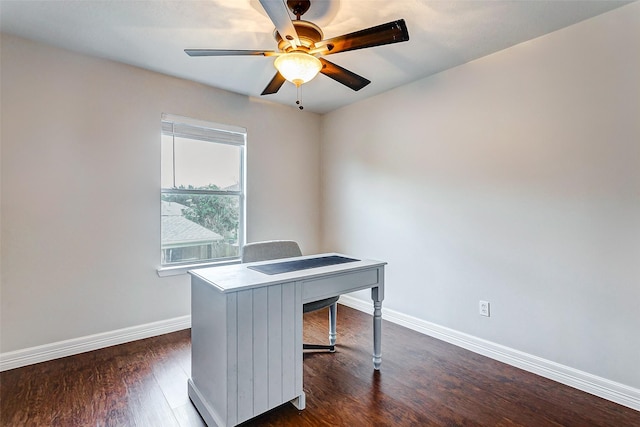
x=183 y=269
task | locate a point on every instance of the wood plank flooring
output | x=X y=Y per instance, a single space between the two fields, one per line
x=423 y=382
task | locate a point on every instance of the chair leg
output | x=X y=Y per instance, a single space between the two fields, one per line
x=332 y=333
x=331 y=348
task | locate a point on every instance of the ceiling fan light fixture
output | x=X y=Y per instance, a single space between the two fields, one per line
x=298 y=67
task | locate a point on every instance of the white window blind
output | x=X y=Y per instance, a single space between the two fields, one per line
x=204 y=131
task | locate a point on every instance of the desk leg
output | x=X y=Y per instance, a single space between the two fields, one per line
x=299 y=402
x=332 y=323
x=376 y=296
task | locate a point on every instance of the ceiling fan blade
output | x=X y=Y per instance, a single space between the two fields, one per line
x=279 y=15
x=227 y=52
x=391 y=32
x=274 y=85
x=342 y=75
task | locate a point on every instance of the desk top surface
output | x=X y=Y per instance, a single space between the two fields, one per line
x=236 y=277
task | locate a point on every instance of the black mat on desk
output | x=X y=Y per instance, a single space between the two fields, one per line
x=301 y=264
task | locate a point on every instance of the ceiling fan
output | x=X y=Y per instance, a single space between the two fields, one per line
x=301 y=47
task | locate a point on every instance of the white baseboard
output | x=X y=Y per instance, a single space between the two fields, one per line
x=43 y=353
x=598 y=386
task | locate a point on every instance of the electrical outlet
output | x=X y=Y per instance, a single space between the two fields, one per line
x=484 y=308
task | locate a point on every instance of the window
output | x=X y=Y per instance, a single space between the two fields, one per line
x=202 y=196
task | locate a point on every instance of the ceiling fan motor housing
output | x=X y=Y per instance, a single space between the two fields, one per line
x=308 y=33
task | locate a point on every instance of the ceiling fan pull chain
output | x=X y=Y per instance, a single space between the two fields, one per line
x=299 y=96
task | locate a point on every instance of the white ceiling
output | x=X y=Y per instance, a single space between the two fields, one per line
x=152 y=34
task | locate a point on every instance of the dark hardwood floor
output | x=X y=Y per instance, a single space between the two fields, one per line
x=423 y=382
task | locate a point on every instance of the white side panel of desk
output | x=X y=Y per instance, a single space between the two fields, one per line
x=246 y=356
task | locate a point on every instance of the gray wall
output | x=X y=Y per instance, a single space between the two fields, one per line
x=513 y=179
x=81 y=189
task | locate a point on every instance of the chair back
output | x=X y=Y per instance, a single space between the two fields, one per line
x=271 y=249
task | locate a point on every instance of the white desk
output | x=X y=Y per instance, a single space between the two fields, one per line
x=246 y=333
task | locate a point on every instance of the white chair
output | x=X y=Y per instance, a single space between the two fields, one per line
x=276 y=249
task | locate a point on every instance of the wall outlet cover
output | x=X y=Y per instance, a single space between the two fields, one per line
x=484 y=308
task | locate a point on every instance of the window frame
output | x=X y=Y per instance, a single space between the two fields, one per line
x=216 y=133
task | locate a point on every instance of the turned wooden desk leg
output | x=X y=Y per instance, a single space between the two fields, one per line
x=377 y=296
x=332 y=323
